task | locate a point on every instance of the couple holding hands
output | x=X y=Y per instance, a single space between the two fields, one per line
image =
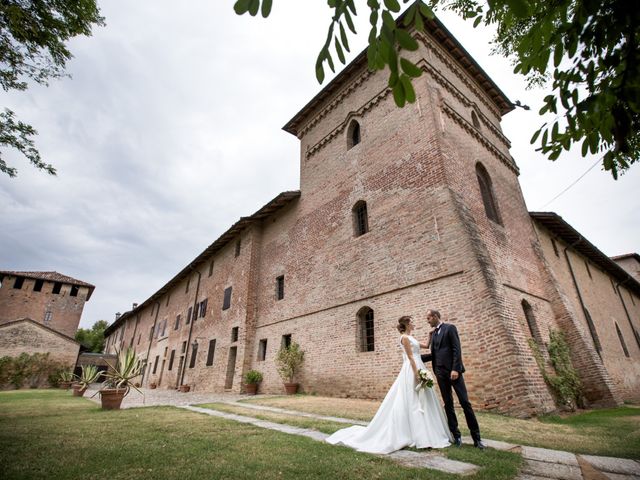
x=410 y=414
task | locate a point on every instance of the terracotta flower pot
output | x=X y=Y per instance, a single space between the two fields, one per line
x=250 y=388
x=184 y=388
x=291 y=388
x=78 y=390
x=112 y=398
x=65 y=385
x=152 y=386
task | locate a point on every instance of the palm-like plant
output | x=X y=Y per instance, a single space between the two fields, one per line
x=88 y=375
x=66 y=376
x=121 y=375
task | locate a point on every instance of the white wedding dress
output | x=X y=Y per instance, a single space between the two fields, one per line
x=406 y=418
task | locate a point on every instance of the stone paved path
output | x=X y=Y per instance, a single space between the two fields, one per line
x=539 y=463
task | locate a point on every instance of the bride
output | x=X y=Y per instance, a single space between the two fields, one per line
x=406 y=418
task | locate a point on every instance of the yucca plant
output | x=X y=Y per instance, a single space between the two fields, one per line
x=121 y=375
x=66 y=376
x=88 y=375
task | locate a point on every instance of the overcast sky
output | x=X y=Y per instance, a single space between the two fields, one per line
x=170 y=129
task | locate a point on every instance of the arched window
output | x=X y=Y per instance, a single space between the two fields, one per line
x=486 y=190
x=360 y=218
x=353 y=134
x=474 y=119
x=366 y=329
x=622 y=342
x=531 y=322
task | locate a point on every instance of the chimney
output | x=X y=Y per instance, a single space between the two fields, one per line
x=118 y=315
x=134 y=306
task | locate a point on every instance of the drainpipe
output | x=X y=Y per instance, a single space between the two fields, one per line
x=618 y=285
x=191 y=322
x=575 y=283
x=155 y=322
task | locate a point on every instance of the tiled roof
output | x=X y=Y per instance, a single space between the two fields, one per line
x=51 y=277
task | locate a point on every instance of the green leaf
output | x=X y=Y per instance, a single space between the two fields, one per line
x=254 y=6
x=419 y=24
x=242 y=6
x=351 y=6
x=520 y=8
x=330 y=62
x=388 y=21
x=477 y=21
x=535 y=136
x=557 y=54
x=372 y=53
x=409 y=92
x=266 y=7
x=405 y=40
x=426 y=11
x=320 y=69
x=398 y=94
x=392 y=5
x=393 y=79
x=410 y=68
x=585 y=147
x=343 y=38
x=409 y=14
x=349 y=21
x=339 y=51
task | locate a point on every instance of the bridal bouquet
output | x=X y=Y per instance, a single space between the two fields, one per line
x=426 y=380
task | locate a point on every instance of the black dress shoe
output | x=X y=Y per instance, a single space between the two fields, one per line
x=457 y=441
x=479 y=445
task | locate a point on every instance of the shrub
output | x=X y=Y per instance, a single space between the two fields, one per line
x=33 y=370
x=252 y=377
x=288 y=361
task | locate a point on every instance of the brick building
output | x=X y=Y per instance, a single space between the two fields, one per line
x=39 y=312
x=399 y=210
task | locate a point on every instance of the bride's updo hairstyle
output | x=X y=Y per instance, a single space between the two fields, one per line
x=403 y=323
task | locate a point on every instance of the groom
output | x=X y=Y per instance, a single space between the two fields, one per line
x=446 y=358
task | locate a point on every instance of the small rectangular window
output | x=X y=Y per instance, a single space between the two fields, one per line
x=586 y=264
x=186 y=288
x=155 y=364
x=226 y=303
x=211 y=268
x=555 y=247
x=176 y=326
x=38 y=286
x=168 y=298
x=194 y=352
x=238 y=246
x=286 y=341
x=211 y=353
x=151 y=334
x=184 y=347
x=171 y=357
x=203 y=308
x=188 y=319
x=262 y=350
x=164 y=328
x=195 y=312
x=47 y=316
x=280 y=287
x=17 y=284
x=57 y=287
x=74 y=291
x=234 y=334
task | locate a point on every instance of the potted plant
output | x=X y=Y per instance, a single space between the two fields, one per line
x=66 y=377
x=88 y=375
x=251 y=380
x=153 y=385
x=288 y=361
x=120 y=379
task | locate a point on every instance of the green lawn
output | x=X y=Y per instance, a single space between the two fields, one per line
x=611 y=432
x=50 y=434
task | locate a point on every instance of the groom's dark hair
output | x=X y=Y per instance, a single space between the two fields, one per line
x=435 y=313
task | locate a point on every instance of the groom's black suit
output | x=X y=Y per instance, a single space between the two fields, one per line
x=445 y=356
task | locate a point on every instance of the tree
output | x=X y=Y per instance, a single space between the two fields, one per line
x=32 y=47
x=589 y=50
x=93 y=338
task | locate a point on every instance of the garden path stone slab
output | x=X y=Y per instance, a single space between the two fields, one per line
x=296 y=413
x=549 y=456
x=619 y=476
x=552 y=470
x=404 y=457
x=622 y=466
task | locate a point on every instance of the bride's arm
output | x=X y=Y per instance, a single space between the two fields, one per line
x=407 y=348
x=428 y=344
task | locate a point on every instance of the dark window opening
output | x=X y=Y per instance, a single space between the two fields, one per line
x=164 y=328
x=531 y=322
x=38 y=286
x=211 y=268
x=155 y=364
x=186 y=288
x=171 y=358
x=203 y=307
x=486 y=190
x=234 y=334
x=622 y=342
x=226 y=303
x=353 y=134
x=262 y=350
x=184 y=347
x=151 y=333
x=367 y=338
x=555 y=247
x=168 y=298
x=176 y=326
x=286 y=341
x=474 y=119
x=586 y=264
x=360 y=218
x=188 y=319
x=238 y=244
x=195 y=312
x=194 y=352
x=280 y=287
x=74 y=291
x=17 y=284
x=57 y=287
x=211 y=353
